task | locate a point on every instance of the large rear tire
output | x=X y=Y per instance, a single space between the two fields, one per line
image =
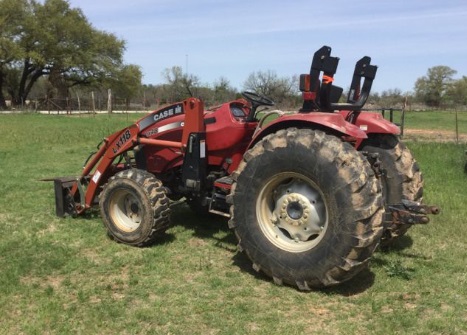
x=306 y=208
x=135 y=208
x=401 y=178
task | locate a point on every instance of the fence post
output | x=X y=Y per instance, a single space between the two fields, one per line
x=109 y=101
x=93 y=103
x=68 y=107
x=79 y=103
x=402 y=122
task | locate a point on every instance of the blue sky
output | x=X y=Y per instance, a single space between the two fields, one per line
x=214 y=38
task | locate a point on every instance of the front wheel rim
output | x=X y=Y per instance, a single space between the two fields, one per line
x=125 y=210
x=291 y=212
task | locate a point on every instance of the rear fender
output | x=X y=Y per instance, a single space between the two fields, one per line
x=371 y=122
x=333 y=123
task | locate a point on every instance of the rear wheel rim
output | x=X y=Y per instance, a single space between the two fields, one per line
x=125 y=210
x=291 y=212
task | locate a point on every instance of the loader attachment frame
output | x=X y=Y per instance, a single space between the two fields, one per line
x=64 y=202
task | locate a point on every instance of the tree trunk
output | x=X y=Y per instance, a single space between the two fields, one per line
x=2 y=97
x=32 y=80
x=28 y=78
x=19 y=98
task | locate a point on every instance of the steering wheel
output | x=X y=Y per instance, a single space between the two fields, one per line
x=256 y=100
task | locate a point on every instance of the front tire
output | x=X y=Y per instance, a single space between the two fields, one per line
x=306 y=208
x=135 y=208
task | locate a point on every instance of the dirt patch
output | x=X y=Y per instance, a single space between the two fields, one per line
x=434 y=135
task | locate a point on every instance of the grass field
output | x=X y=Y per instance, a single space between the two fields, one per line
x=64 y=276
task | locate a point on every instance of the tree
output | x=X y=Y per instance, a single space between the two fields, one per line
x=127 y=83
x=223 y=91
x=392 y=98
x=457 y=91
x=281 y=90
x=12 y=17
x=179 y=85
x=431 y=89
x=54 y=40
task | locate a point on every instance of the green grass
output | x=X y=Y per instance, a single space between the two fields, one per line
x=64 y=276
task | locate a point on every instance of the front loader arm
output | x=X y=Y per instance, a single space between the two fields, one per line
x=112 y=147
x=74 y=195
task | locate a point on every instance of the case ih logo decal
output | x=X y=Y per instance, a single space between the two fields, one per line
x=161 y=115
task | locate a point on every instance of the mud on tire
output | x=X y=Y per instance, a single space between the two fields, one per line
x=134 y=207
x=401 y=178
x=306 y=208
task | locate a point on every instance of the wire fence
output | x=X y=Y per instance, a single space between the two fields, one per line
x=416 y=123
x=446 y=125
x=85 y=105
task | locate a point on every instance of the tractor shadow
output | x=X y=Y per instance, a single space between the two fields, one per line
x=206 y=226
x=215 y=228
x=402 y=243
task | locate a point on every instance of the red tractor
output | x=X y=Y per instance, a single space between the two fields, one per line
x=310 y=194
